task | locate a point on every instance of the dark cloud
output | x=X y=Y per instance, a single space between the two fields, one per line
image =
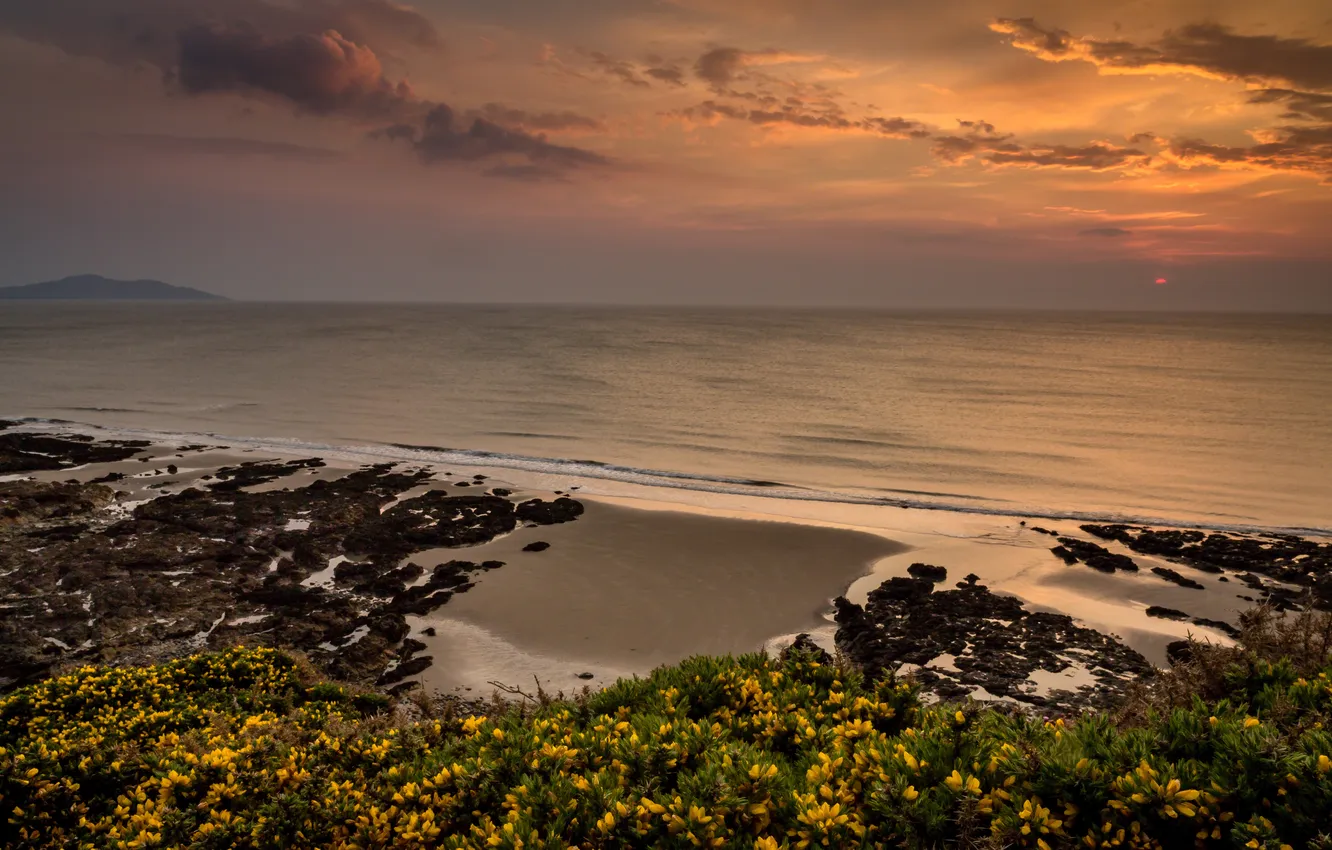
x=539 y=121
x=618 y=68
x=898 y=128
x=444 y=138
x=394 y=132
x=719 y=66
x=1210 y=49
x=796 y=113
x=671 y=75
x=980 y=140
x=1300 y=105
x=1298 y=149
x=1216 y=51
x=1097 y=156
x=322 y=73
x=145 y=32
x=1105 y=232
x=972 y=138
x=318 y=56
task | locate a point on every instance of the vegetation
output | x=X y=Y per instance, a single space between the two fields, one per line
x=245 y=749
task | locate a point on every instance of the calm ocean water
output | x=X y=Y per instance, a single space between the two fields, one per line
x=1222 y=420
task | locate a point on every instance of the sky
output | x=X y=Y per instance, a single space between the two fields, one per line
x=957 y=153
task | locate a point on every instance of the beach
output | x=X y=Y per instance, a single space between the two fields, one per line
x=461 y=580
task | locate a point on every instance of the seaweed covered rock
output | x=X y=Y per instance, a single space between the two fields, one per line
x=958 y=642
x=541 y=512
x=1071 y=550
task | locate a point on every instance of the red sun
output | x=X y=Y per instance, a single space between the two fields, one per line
x=1160 y=281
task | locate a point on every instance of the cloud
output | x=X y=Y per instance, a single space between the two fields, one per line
x=539 y=121
x=796 y=113
x=981 y=141
x=444 y=138
x=1297 y=149
x=145 y=32
x=1096 y=156
x=322 y=73
x=619 y=68
x=671 y=75
x=1208 y=49
x=722 y=65
x=1218 y=52
x=318 y=56
x=1105 y=232
x=1300 y=105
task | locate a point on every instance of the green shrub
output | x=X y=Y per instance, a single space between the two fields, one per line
x=240 y=749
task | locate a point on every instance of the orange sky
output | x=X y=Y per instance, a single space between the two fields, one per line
x=1153 y=136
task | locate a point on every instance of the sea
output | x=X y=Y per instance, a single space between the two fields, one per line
x=1221 y=421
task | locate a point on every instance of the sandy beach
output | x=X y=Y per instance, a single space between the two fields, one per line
x=640 y=576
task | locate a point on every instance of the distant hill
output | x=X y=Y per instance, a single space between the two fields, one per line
x=91 y=287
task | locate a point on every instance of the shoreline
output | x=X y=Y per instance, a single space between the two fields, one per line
x=666 y=572
x=616 y=480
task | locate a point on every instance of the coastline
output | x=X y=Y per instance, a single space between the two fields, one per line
x=650 y=575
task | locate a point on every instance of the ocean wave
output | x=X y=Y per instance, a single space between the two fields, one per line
x=593 y=469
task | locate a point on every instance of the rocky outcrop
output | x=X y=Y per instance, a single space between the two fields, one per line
x=959 y=640
x=84 y=580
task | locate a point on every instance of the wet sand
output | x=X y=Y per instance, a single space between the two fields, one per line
x=626 y=590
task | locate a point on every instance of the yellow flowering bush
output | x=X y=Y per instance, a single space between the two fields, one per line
x=243 y=749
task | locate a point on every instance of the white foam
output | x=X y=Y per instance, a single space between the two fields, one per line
x=359 y=454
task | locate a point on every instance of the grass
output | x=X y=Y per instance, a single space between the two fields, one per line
x=246 y=748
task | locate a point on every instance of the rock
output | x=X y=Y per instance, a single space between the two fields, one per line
x=1164 y=613
x=1219 y=625
x=410 y=646
x=928 y=571
x=27 y=452
x=1175 y=578
x=146 y=586
x=501 y=491
x=230 y=479
x=428 y=631
x=995 y=642
x=1097 y=557
x=172 y=469
x=549 y=513
x=537 y=546
x=586 y=676
x=405 y=669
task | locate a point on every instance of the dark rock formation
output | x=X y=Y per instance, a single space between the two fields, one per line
x=205 y=567
x=549 y=513
x=537 y=546
x=232 y=478
x=1175 y=578
x=21 y=451
x=928 y=571
x=995 y=642
x=1099 y=558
